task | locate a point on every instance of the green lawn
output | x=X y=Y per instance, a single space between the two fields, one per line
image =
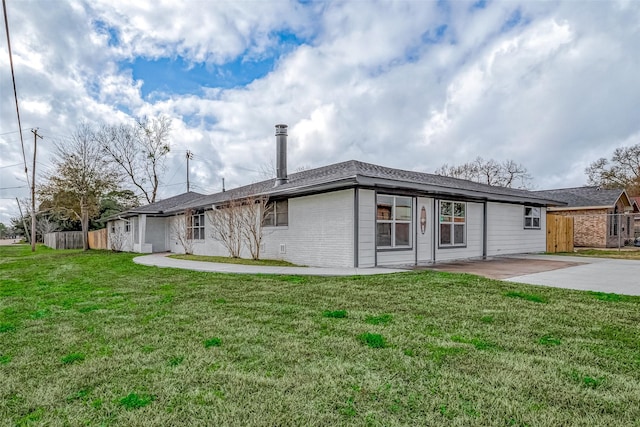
x=625 y=253
x=95 y=339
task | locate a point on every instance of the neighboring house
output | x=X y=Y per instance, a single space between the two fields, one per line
x=355 y=214
x=603 y=218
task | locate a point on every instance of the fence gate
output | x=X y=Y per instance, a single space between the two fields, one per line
x=559 y=233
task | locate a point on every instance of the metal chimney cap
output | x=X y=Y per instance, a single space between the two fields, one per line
x=281 y=129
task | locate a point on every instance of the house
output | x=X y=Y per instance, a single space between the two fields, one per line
x=603 y=218
x=357 y=214
x=143 y=229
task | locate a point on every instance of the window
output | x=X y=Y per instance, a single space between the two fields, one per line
x=277 y=214
x=195 y=227
x=127 y=226
x=393 y=221
x=113 y=228
x=531 y=217
x=453 y=220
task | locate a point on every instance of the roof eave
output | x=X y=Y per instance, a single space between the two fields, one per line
x=453 y=192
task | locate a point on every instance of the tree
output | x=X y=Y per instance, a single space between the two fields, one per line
x=139 y=151
x=253 y=214
x=623 y=171
x=182 y=232
x=4 y=232
x=81 y=177
x=505 y=174
x=226 y=226
x=240 y=222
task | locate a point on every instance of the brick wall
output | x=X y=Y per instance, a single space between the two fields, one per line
x=590 y=227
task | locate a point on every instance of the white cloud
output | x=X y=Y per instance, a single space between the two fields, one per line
x=384 y=82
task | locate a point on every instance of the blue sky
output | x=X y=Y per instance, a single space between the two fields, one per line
x=406 y=84
x=166 y=76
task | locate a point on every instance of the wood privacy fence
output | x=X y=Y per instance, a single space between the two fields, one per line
x=73 y=239
x=98 y=239
x=64 y=240
x=559 y=233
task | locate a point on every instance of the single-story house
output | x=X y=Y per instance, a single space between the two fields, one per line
x=603 y=218
x=355 y=214
x=144 y=229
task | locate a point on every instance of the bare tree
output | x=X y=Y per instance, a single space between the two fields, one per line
x=44 y=225
x=181 y=230
x=623 y=171
x=226 y=226
x=505 y=174
x=81 y=176
x=139 y=151
x=116 y=239
x=253 y=213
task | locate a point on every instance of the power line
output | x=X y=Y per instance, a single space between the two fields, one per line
x=12 y=188
x=10 y=166
x=15 y=92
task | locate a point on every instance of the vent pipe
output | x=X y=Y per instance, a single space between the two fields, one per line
x=281 y=154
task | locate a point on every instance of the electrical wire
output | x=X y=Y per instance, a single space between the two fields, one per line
x=15 y=92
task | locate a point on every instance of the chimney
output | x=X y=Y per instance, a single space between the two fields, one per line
x=281 y=154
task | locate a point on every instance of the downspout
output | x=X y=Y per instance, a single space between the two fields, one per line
x=356 y=223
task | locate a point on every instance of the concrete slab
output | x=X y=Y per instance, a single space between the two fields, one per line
x=162 y=260
x=502 y=267
x=618 y=276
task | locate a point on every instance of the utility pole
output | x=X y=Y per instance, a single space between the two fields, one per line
x=33 y=191
x=24 y=223
x=189 y=157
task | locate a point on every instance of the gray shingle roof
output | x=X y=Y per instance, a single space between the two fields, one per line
x=351 y=173
x=584 y=196
x=167 y=204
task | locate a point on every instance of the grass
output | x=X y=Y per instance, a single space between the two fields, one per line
x=625 y=253
x=229 y=260
x=91 y=338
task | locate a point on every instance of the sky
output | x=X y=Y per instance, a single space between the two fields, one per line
x=405 y=84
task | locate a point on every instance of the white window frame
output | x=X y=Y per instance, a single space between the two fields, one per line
x=452 y=223
x=193 y=230
x=394 y=221
x=532 y=217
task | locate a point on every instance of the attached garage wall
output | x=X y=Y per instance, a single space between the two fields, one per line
x=506 y=233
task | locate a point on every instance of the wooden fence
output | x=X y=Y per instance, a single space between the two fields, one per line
x=64 y=240
x=73 y=239
x=559 y=233
x=98 y=239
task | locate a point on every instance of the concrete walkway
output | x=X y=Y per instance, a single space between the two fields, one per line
x=620 y=276
x=580 y=273
x=162 y=260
